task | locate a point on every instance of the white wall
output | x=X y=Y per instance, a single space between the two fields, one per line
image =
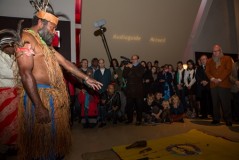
x=219 y=28
x=22 y=8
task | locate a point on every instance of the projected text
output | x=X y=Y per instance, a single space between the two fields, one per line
x=126 y=37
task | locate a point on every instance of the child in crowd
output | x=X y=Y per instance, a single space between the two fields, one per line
x=164 y=113
x=176 y=109
x=158 y=99
x=147 y=110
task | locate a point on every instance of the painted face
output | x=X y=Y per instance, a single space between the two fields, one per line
x=47 y=33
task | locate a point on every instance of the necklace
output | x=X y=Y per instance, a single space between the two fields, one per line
x=36 y=35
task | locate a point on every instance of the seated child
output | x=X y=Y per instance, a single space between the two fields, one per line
x=176 y=109
x=147 y=108
x=163 y=114
x=158 y=99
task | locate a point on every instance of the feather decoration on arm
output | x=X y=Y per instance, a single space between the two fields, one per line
x=19 y=27
x=14 y=38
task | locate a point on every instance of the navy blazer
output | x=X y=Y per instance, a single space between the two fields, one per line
x=105 y=79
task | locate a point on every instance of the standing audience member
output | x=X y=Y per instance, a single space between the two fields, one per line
x=147 y=80
x=103 y=75
x=203 y=89
x=94 y=64
x=190 y=88
x=71 y=81
x=149 y=65
x=235 y=91
x=85 y=69
x=171 y=70
x=123 y=81
x=156 y=64
x=218 y=70
x=143 y=63
x=134 y=73
x=179 y=83
x=87 y=98
x=165 y=80
x=154 y=85
x=116 y=74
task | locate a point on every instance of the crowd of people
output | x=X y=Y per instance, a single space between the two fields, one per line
x=158 y=93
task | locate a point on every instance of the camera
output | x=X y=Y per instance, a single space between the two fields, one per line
x=125 y=60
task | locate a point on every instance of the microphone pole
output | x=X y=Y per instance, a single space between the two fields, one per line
x=102 y=35
x=105 y=44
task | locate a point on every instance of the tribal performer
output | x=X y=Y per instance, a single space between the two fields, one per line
x=9 y=98
x=44 y=132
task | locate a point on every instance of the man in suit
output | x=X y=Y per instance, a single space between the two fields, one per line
x=203 y=88
x=103 y=75
x=133 y=73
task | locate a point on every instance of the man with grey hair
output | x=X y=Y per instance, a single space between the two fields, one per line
x=218 y=70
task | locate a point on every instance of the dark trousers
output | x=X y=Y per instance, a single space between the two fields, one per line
x=235 y=106
x=136 y=103
x=205 y=103
x=181 y=95
x=72 y=108
x=221 y=97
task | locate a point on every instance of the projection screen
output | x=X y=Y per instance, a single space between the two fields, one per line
x=153 y=29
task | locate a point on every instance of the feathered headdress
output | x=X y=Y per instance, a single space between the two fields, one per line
x=14 y=39
x=42 y=6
